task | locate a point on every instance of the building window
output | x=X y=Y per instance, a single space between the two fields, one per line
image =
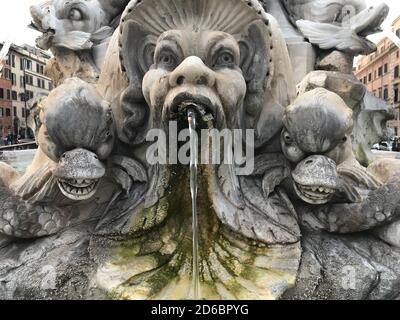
x=8 y=112
x=380 y=93
x=25 y=64
x=14 y=95
x=396 y=94
x=13 y=79
x=29 y=95
x=370 y=77
x=1 y=112
x=15 y=111
x=39 y=68
x=380 y=71
x=386 y=94
x=11 y=60
x=396 y=72
x=385 y=68
x=12 y=64
x=29 y=80
x=8 y=94
x=365 y=80
x=41 y=83
x=7 y=74
x=1 y=93
x=28 y=64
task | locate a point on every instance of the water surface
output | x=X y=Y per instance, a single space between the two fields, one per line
x=19 y=160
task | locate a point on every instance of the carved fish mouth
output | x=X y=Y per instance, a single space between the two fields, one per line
x=314 y=194
x=78 y=189
x=372 y=24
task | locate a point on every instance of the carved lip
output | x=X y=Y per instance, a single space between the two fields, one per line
x=184 y=101
x=314 y=194
x=78 y=189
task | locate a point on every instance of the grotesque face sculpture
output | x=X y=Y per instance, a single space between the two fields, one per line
x=316 y=138
x=198 y=69
x=228 y=61
x=78 y=134
x=222 y=63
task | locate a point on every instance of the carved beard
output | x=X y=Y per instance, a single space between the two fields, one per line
x=232 y=227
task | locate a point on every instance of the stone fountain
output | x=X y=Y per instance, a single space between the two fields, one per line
x=101 y=213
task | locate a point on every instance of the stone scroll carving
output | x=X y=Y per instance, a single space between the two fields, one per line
x=103 y=221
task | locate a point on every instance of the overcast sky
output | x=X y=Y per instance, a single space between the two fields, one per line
x=14 y=18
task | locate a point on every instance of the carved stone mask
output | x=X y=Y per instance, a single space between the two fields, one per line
x=199 y=69
x=175 y=54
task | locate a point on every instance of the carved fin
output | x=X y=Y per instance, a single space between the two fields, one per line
x=273 y=179
x=328 y=36
x=230 y=185
x=350 y=192
x=132 y=167
x=359 y=175
x=121 y=178
x=74 y=40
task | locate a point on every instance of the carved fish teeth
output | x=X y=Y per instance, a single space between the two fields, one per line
x=80 y=187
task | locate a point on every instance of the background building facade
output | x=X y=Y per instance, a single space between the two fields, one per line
x=380 y=73
x=5 y=102
x=25 y=71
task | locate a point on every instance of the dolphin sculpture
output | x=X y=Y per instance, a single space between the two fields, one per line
x=342 y=25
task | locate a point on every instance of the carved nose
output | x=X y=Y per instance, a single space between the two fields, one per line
x=192 y=71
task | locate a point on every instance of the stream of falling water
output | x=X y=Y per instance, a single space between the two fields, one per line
x=194 y=189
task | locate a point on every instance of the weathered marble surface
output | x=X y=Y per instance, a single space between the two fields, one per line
x=259 y=237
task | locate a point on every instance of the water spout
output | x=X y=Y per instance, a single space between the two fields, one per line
x=194 y=189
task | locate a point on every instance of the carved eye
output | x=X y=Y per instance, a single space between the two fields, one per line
x=287 y=138
x=106 y=135
x=75 y=14
x=225 y=59
x=167 y=60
